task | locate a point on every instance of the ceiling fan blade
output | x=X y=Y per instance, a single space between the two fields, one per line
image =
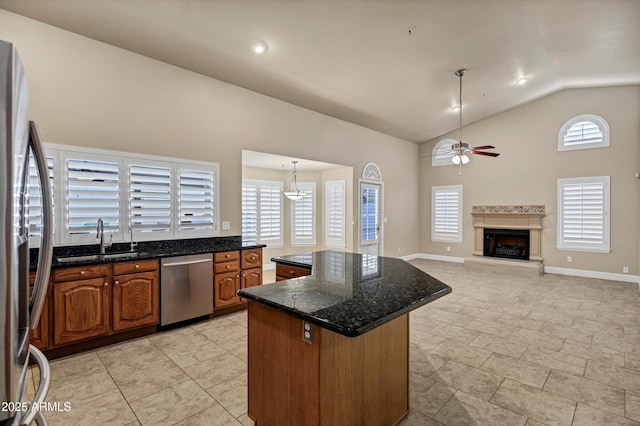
x=489 y=154
x=483 y=147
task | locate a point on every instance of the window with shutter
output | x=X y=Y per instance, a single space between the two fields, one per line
x=196 y=200
x=262 y=212
x=334 y=215
x=583 y=132
x=34 y=200
x=249 y=212
x=442 y=153
x=150 y=198
x=583 y=214
x=446 y=213
x=303 y=216
x=92 y=193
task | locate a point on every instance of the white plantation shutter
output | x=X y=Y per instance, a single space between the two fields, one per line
x=150 y=198
x=335 y=220
x=92 y=192
x=196 y=200
x=303 y=212
x=442 y=153
x=34 y=208
x=446 y=211
x=583 y=205
x=262 y=221
x=270 y=213
x=583 y=132
x=249 y=212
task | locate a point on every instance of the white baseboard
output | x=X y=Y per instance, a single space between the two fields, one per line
x=635 y=279
x=593 y=274
x=269 y=266
x=433 y=257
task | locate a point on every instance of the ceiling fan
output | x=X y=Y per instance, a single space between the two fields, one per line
x=461 y=149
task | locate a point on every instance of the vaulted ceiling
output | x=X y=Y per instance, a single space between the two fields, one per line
x=384 y=64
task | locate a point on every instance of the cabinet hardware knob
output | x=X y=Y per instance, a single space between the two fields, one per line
x=81 y=272
x=254 y=257
x=228 y=255
x=116 y=282
x=292 y=272
x=106 y=284
x=137 y=266
x=228 y=266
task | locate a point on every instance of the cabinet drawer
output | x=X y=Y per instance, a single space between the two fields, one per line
x=133 y=267
x=251 y=258
x=232 y=266
x=80 y=272
x=226 y=256
x=287 y=272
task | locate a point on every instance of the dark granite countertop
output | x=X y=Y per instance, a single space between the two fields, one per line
x=143 y=250
x=349 y=293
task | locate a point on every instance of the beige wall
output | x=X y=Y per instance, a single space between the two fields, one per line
x=527 y=170
x=87 y=93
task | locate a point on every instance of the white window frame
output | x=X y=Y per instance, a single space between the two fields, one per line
x=447 y=218
x=601 y=123
x=199 y=231
x=442 y=153
x=60 y=154
x=155 y=234
x=305 y=207
x=335 y=221
x=270 y=241
x=585 y=244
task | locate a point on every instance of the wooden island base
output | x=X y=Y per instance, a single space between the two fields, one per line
x=337 y=380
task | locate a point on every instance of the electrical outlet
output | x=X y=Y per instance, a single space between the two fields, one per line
x=307 y=332
x=226 y=226
x=569 y=259
x=625 y=269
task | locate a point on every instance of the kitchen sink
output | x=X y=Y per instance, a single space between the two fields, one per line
x=89 y=257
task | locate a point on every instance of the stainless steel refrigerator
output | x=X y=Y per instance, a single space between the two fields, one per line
x=20 y=312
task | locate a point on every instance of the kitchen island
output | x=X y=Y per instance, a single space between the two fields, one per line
x=332 y=347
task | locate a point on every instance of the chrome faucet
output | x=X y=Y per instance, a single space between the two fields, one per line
x=133 y=245
x=100 y=234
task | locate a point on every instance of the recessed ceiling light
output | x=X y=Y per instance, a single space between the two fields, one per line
x=522 y=81
x=455 y=108
x=259 y=47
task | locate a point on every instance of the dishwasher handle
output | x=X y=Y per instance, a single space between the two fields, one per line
x=191 y=262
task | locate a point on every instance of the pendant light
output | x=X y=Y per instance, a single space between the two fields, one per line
x=294 y=193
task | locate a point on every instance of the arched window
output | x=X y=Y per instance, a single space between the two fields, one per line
x=583 y=132
x=442 y=153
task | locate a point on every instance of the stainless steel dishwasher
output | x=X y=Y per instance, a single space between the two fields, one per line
x=186 y=287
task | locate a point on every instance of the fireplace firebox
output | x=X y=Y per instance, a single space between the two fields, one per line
x=506 y=243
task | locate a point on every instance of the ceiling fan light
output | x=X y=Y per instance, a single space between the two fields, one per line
x=464 y=158
x=456 y=159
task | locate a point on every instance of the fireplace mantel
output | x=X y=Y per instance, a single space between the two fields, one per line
x=509 y=217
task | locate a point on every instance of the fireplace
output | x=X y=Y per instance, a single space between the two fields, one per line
x=513 y=222
x=507 y=243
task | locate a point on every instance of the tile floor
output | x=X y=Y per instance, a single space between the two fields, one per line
x=505 y=348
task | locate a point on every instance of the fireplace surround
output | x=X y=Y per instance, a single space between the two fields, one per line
x=506 y=218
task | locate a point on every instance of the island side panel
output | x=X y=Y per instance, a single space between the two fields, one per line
x=364 y=380
x=283 y=370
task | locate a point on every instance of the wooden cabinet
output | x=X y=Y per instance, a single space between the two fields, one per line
x=80 y=303
x=98 y=300
x=39 y=336
x=233 y=270
x=286 y=272
x=135 y=294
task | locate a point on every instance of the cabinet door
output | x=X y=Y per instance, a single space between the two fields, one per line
x=251 y=277
x=81 y=310
x=39 y=336
x=251 y=258
x=135 y=300
x=225 y=291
